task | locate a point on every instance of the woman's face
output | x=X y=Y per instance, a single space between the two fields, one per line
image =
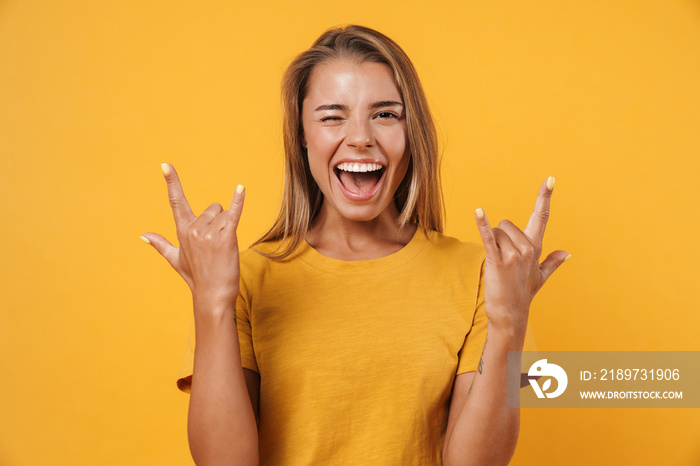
x=355 y=132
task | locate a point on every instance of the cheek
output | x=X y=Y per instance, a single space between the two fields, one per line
x=319 y=163
x=318 y=167
x=396 y=145
x=321 y=145
x=325 y=140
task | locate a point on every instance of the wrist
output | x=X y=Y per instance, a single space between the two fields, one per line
x=510 y=336
x=507 y=317
x=213 y=304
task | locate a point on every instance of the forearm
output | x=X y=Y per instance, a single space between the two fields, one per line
x=221 y=422
x=486 y=430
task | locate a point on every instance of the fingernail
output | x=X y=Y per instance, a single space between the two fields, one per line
x=479 y=212
x=568 y=256
x=550 y=182
x=240 y=188
x=145 y=240
x=165 y=167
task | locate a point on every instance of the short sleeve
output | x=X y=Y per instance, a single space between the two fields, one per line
x=473 y=346
x=245 y=338
x=245 y=331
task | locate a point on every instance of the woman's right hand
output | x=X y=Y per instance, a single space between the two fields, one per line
x=207 y=258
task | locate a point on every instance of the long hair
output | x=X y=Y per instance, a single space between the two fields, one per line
x=418 y=196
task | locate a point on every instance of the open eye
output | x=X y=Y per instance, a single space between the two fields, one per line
x=387 y=115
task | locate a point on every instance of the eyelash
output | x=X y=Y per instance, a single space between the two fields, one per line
x=379 y=115
x=390 y=114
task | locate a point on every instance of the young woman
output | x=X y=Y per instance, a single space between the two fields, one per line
x=351 y=333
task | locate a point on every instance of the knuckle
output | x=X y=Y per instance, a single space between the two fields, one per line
x=172 y=182
x=543 y=215
x=508 y=256
x=233 y=215
x=531 y=254
x=494 y=234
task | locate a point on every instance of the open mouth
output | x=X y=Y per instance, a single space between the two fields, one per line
x=360 y=179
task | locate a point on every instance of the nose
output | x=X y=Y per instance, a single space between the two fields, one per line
x=360 y=135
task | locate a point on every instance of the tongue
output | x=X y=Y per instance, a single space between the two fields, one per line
x=359 y=182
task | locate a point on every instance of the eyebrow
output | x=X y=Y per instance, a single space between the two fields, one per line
x=382 y=103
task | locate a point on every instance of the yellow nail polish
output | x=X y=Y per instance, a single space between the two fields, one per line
x=550 y=182
x=479 y=212
x=568 y=256
x=165 y=167
x=145 y=240
x=240 y=188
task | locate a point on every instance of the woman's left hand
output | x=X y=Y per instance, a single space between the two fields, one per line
x=513 y=273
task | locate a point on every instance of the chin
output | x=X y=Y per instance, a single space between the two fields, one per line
x=360 y=213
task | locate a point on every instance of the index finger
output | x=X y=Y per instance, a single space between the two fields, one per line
x=178 y=201
x=487 y=236
x=538 y=220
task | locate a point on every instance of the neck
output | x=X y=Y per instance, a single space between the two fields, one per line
x=335 y=236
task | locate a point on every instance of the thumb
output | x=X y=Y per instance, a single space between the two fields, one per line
x=552 y=262
x=164 y=247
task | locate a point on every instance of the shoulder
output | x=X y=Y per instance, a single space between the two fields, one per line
x=257 y=268
x=451 y=259
x=255 y=260
x=451 y=250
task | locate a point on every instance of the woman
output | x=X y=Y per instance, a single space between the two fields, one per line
x=352 y=333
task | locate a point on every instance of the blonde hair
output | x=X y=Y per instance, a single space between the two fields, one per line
x=419 y=195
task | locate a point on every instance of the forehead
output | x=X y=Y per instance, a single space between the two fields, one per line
x=352 y=81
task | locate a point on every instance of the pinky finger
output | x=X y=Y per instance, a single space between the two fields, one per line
x=487 y=236
x=234 y=212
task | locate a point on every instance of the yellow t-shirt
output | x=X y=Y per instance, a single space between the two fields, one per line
x=357 y=358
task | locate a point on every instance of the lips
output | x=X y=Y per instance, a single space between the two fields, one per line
x=359 y=180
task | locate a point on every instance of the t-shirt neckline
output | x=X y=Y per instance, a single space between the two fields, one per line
x=381 y=264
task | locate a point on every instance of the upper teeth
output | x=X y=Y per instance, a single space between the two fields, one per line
x=359 y=167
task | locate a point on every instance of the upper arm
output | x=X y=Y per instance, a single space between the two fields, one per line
x=252 y=381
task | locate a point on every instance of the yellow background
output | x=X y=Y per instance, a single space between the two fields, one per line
x=95 y=95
